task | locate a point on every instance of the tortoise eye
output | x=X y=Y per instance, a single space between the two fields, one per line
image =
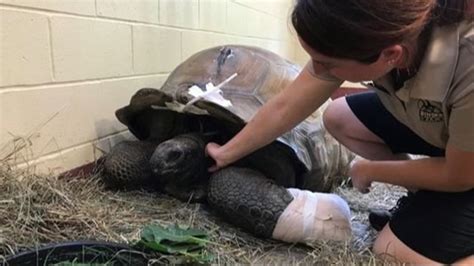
x=174 y=155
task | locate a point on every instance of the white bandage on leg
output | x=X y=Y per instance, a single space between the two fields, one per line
x=313 y=216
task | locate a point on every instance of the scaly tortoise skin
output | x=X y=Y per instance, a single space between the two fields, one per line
x=131 y=161
x=248 y=199
x=299 y=158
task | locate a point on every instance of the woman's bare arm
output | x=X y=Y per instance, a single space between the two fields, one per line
x=453 y=173
x=301 y=98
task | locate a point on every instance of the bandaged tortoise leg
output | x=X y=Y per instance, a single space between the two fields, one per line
x=127 y=165
x=314 y=216
x=249 y=200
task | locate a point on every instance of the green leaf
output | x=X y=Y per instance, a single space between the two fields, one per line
x=174 y=239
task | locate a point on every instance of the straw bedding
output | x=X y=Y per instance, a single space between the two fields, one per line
x=39 y=209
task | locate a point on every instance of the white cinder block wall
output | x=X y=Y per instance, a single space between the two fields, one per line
x=67 y=65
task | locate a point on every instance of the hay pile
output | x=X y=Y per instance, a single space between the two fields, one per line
x=37 y=209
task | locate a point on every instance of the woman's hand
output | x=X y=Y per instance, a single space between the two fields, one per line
x=360 y=180
x=214 y=151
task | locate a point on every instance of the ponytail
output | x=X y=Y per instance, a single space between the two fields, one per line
x=449 y=12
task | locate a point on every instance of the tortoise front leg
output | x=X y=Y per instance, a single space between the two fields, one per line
x=126 y=165
x=249 y=200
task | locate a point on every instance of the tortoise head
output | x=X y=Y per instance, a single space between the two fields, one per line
x=180 y=161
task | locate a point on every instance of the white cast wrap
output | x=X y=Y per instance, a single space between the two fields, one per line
x=313 y=216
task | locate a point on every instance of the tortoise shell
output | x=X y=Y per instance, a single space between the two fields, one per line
x=261 y=75
x=158 y=114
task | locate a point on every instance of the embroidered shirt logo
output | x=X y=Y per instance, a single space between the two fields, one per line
x=429 y=112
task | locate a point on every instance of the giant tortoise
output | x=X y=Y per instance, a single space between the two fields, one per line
x=172 y=135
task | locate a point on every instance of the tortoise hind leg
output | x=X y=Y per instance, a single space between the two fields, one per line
x=248 y=199
x=126 y=166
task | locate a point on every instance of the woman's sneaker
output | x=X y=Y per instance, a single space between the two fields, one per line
x=379 y=218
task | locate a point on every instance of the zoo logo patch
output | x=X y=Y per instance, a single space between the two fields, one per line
x=429 y=112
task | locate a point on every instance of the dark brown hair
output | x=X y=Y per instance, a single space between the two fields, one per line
x=361 y=29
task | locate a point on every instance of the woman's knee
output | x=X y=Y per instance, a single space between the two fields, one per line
x=388 y=247
x=465 y=261
x=334 y=116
